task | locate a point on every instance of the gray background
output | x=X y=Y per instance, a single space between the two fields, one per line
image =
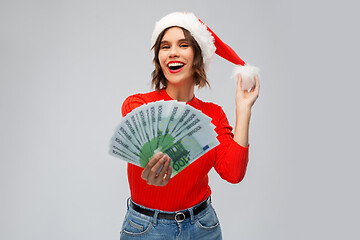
x=67 y=66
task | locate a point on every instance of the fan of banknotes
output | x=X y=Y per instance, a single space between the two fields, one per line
x=174 y=128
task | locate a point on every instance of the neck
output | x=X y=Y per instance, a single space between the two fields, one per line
x=180 y=93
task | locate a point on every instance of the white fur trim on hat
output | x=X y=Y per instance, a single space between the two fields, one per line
x=248 y=74
x=191 y=23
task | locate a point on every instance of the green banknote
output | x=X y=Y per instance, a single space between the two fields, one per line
x=174 y=128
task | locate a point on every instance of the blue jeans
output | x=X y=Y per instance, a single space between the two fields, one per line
x=205 y=225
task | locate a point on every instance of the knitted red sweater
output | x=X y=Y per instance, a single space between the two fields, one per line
x=190 y=186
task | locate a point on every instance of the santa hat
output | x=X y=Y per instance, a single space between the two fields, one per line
x=209 y=44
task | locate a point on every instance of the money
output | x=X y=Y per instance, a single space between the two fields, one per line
x=174 y=128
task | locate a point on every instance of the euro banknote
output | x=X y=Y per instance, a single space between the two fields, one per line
x=174 y=128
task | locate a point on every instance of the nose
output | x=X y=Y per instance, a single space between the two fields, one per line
x=173 y=52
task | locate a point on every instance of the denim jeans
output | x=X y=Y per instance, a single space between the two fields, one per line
x=205 y=225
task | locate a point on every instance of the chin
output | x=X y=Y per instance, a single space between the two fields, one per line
x=179 y=79
x=176 y=81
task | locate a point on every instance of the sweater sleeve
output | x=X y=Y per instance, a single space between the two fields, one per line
x=231 y=158
x=131 y=103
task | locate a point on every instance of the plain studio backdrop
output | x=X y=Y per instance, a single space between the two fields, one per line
x=67 y=66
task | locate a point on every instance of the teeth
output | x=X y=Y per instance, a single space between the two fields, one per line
x=175 y=64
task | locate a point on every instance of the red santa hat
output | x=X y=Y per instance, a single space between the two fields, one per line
x=209 y=44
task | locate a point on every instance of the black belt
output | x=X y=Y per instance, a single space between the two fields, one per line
x=178 y=216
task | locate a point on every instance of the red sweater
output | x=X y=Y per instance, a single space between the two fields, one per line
x=190 y=186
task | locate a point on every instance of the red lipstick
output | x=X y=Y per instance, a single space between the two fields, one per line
x=175 y=66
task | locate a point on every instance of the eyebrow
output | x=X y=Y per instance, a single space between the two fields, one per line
x=180 y=40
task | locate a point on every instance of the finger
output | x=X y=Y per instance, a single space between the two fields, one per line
x=257 y=84
x=161 y=175
x=165 y=168
x=239 y=81
x=154 y=171
x=168 y=176
x=145 y=173
x=252 y=88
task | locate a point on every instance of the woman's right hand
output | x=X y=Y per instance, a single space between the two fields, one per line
x=152 y=173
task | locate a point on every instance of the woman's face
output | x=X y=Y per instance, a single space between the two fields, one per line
x=176 y=57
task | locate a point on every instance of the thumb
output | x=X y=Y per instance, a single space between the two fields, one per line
x=239 y=82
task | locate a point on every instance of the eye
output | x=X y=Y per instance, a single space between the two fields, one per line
x=184 y=45
x=165 y=47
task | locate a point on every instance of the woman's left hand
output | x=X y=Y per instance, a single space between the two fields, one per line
x=246 y=99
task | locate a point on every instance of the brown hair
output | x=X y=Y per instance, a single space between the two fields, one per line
x=158 y=79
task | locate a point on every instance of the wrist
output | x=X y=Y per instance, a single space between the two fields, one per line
x=243 y=109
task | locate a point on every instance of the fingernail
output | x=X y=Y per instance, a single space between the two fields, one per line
x=160 y=154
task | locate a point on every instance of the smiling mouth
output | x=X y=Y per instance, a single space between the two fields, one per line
x=175 y=67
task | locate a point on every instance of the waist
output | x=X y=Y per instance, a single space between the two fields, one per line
x=178 y=216
x=182 y=192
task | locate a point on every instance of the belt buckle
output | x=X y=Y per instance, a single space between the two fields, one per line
x=180 y=217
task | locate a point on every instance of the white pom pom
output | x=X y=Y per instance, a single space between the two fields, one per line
x=247 y=73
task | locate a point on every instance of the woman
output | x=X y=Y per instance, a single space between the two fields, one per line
x=180 y=208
